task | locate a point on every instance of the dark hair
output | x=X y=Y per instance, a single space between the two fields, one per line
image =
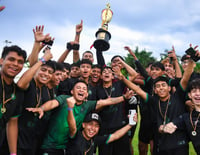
x=88 y=52
x=106 y=67
x=85 y=61
x=13 y=48
x=161 y=78
x=59 y=66
x=194 y=84
x=77 y=64
x=81 y=81
x=51 y=64
x=184 y=57
x=66 y=66
x=97 y=66
x=158 y=65
x=117 y=56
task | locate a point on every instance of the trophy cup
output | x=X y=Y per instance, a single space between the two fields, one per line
x=102 y=35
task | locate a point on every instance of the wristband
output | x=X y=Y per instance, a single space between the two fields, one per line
x=13 y=154
x=48 y=42
x=69 y=46
x=124 y=98
x=42 y=60
x=69 y=109
x=75 y=47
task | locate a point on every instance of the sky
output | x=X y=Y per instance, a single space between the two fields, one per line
x=151 y=25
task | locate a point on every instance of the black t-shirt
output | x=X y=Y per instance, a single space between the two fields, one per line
x=175 y=108
x=78 y=145
x=67 y=85
x=13 y=107
x=183 y=122
x=30 y=126
x=113 y=116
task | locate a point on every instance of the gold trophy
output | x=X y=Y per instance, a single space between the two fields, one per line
x=102 y=35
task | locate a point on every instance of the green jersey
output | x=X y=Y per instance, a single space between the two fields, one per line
x=58 y=130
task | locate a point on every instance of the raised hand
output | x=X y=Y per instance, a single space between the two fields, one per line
x=172 y=54
x=71 y=102
x=131 y=52
x=38 y=34
x=79 y=27
x=47 y=55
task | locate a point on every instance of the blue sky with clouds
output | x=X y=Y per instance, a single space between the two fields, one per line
x=154 y=25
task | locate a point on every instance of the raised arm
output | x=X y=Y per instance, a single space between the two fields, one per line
x=65 y=53
x=139 y=66
x=130 y=85
x=79 y=28
x=187 y=73
x=172 y=55
x=70 y=117
x=132 y=73
x=37 y=46
x=26 y=78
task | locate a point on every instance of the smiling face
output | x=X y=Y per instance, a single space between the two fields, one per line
x=80 y=92
x=162 y=89
x=107 y=75
x=155 y=72
x=115 y=62
x=56 y=78
x=194 y=95
x=11 y=65
x=95 y=75
x=44 y=75
x=90 y=129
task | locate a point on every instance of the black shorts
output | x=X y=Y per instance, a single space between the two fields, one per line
x=117 y=147
x=146 y=131
x=183 y=150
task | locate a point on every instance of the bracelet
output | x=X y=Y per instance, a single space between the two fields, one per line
x=42 y=60
x=69 y=109
x=124 y=97
x=13 y=154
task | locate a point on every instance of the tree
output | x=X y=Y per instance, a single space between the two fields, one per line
x=143 y=56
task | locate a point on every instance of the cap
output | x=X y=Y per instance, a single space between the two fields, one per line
x=93 y=117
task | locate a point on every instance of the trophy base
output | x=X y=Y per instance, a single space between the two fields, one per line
x=102 y=41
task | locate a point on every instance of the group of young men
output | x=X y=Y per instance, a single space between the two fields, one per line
x=54 y=109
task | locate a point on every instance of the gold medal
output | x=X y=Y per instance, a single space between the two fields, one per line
x=194 y=126
x=3 y=110
x=194 y=133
